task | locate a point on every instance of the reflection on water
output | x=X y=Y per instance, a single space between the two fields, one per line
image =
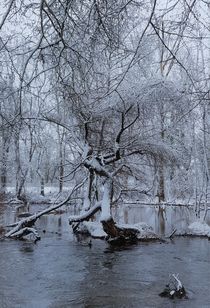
x=163 y=220
x=58 y=272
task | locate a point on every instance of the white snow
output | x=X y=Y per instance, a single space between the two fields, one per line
x=141 y=226
x=198 y=228
x=145 y=231
x=105 y=205
x=84 y=214
x=179 y=284
x=94 y=228
x=25 y=232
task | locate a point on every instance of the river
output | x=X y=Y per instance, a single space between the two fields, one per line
x=59 y=272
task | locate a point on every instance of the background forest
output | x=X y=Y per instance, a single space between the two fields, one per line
x=108 y=96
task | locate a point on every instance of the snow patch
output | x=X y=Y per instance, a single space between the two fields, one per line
x=93 y=228
x=144 y=231
x=198 y=228
x=140 y=226
x=105 y=206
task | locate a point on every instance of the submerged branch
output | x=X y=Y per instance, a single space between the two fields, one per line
x=175 y=289
x=172 y=234
x=30 y=221
x=25 y=231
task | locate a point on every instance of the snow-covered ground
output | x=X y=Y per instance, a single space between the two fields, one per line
x=198 y=228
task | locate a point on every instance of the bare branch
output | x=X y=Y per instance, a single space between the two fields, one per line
x=6 y=13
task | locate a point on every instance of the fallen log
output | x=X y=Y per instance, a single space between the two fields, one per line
x=20 y=228
x=26 y=231
x=120 y=234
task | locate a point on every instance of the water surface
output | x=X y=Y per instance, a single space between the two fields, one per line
x=59 y=272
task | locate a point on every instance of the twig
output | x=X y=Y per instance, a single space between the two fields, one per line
x=172 y=233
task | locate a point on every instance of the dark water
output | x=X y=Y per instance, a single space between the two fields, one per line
x=59 y=272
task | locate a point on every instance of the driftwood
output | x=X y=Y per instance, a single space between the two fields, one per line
x=24 y=226
x=174 y=289
x=172 y=234
x=26 y=231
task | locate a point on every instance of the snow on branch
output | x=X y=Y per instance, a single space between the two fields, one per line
x=85 y=215
x=157 y=150
x=179 y=284
x=7 y=13
x=97 y=167
x=25 y=231
x=25 y=224
x=174 y=289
